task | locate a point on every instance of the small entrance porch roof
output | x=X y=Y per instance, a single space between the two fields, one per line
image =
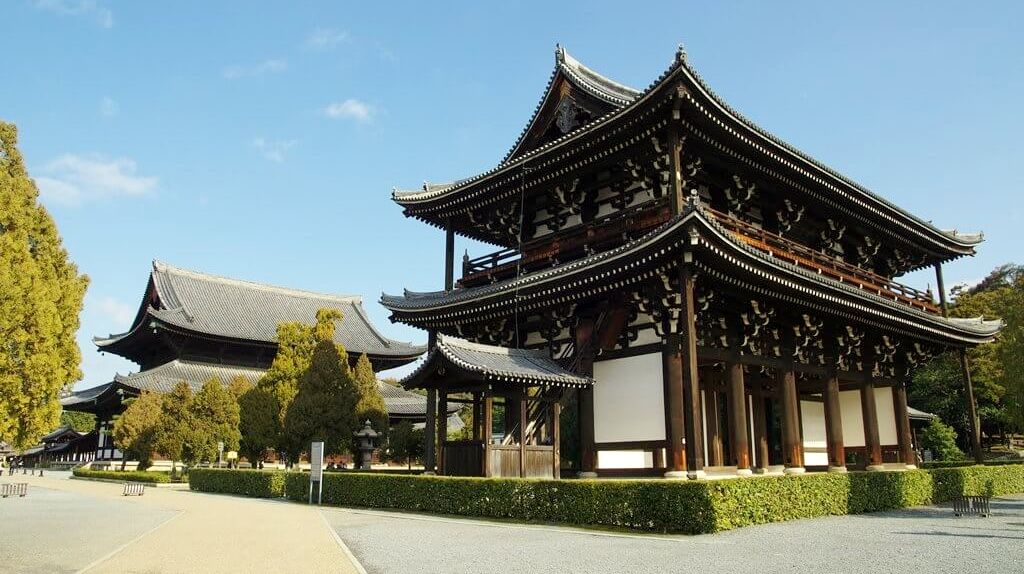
x=459 y=363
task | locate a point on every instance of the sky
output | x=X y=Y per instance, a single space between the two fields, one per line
x=262 y=142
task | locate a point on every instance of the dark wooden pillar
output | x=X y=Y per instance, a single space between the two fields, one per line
x=672 y=359
x=792 y=445
x=903 y=436
x=583 y=340
x=692 y=418
x=760 y=434
x=442 y=428
x=737 y=397
x=556 y=439
x=942 y=289
x=488 y=430
x=430 y=433
x=477 y=417
x=834 y=425
x=449 y=256
x=713 y=426
x=972 y=409
x=868 y=408
x=522 y=437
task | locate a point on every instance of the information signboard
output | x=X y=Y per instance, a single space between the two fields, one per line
x=316 y=471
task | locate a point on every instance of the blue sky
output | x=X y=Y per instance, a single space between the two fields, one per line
x=258 y=142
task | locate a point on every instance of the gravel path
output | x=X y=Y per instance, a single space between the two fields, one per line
x=922 y=540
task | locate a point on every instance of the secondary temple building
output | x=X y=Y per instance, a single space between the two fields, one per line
x=705 y=294
x=193 y=327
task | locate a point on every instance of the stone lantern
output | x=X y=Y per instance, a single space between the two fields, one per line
x=366 y=440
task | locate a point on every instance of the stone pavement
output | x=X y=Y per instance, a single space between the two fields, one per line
x=81 y=526
x=925 y=540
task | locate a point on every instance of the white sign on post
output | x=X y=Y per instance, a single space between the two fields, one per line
x=316 y=471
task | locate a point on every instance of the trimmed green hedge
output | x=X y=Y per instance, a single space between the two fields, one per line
x=959 y=463
x=255 y=483
x=150 y=476
x=691 y=507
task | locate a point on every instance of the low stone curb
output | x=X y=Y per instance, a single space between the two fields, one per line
x=168 y=485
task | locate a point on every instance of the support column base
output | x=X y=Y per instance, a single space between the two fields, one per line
x=911 y=467
x=874 y=467
x=760 y=470
x=794 y=470
x=837 y=469
x=696 y=474
x=429 y=473
x=744 y=472
x=586 y=474
x=676 y=474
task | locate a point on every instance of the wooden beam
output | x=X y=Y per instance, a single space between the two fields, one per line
x=872 y=444
x=430 y=432
x=713 y=427
x=834 y=426
x=449 y=256
x=903 y=436
x=556 y=440
x=737 y=398
x=588 y=457
x=972 y=409
x=477 y=418
x=522 y=439
x=488 y=428
x=760 y=433
x=692 y=418
x=672 y=361
x=792 y=446
x=442 y=428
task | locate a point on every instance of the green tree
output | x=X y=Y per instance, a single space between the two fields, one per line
x=405 y=443
x=369 y=402
x=176 y=436
x=135 y=430
x=295 y=344
x=216 y=416
x=41 y=296
x=259 y=424
x=81 y=422
x=940 y=438
x=324 y=406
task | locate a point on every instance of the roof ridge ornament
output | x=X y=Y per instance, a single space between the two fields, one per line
x=680 y=53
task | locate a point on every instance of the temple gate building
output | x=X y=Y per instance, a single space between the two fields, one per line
x=193 y=327
x=706 y=295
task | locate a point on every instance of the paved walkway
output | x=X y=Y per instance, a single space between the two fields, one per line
x=83 y=526
x=917 y=540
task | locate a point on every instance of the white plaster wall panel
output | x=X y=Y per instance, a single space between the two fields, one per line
x=646 y=337
x=853 y=419
x=815 y=442
x=886 y=416
x=624 y=459
x=629 y=399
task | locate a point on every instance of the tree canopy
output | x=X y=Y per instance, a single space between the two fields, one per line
x=369 y=402
x=42 y=294
x=135 y=431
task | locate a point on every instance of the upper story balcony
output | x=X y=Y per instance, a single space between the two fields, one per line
x=508 y=263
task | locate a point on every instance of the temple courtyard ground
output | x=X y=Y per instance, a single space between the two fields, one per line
x=79 y=526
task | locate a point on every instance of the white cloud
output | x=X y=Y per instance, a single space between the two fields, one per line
x=72 y=179
x=86 y=8
x=118 y=312
x=108 y=107
x=271 y=66
x=273 y=150
x=350 y=109
x=323 y=38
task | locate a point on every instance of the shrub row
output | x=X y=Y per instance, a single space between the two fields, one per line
x=652 y=505
x=255 y=483
x=958 y=463
x=150 y=476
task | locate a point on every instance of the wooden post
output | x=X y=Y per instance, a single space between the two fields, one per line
x=522 y=437
x=834 y=425
x=737 y=398
x=442 y=429
x=556 y=440
x=942 y=289
x=713 y=427
x=672 y=360
x=477 y=417
x=792 y=446
x=872 y=443
x=488 y=430
x=760 y=434
x=972 y=409
x=583 y=342
x=430 y=433
x=903 y=436
x=692 y=419
x=449 y=256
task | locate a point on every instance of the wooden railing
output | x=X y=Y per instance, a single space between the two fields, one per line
x=488 y=262
x=802 y=256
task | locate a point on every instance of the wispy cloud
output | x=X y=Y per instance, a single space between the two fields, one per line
x=73 y=179
x=271 y=66
x=324 y=38
x=90 y=9
x=116 y=311
x=273 y=150
x=350 y=109
x=109 y=107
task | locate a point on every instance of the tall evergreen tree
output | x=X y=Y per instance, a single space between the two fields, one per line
x=177 y=436
x=215 y=415
x=295 y=344
x=41 y=296
x=369 y=402
x=259 y=424
x=324 y=406
x=81 y=422
x=135 y=431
